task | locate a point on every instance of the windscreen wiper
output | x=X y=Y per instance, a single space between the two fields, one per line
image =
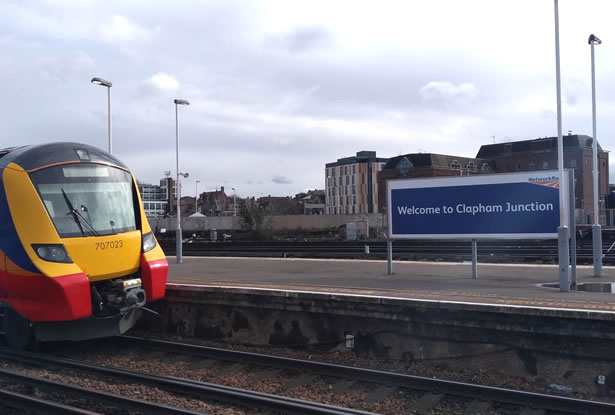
x=81 y=221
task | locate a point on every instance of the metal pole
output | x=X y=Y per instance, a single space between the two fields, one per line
x=389 y=256
x=596 y=230
x=562 y=230
x=573 y=229
x=178 y=231
x=474 y=259
x=109 y=118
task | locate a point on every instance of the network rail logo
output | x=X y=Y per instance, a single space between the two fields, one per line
x=549 y=181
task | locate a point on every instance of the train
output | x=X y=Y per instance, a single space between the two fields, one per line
x=78 y=259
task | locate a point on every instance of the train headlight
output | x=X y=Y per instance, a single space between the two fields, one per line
x=148 y=241
x=52 y=252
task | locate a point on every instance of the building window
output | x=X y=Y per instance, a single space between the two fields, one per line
x=455 y=164
x=518 y=167
x=354 y=200
x=345 y=169
x=471 y=165
x=354 y=170
x=532 y=166
x=485 y=167
x=353 y=180
x=573 y=163
x=347 y=180
x=354 y=189
x=545 y=165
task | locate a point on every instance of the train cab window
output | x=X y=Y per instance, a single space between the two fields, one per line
x=87 y=199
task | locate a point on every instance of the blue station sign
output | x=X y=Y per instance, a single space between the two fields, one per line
x=519 y=205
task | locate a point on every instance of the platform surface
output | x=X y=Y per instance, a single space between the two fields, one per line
x=498 y=284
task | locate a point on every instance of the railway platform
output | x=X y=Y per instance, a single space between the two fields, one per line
x=497 y=285
x=505 y=320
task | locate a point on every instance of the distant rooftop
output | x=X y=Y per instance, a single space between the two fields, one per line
x=537 y=144
x=361 y=157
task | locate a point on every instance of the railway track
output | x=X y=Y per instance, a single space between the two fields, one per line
x=50 y=389
x=206 y=391
x=425 y=394
x=516 y=251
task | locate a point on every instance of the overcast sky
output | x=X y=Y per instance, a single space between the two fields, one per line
x=279 y=88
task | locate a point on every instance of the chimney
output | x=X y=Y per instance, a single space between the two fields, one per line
x=222 y=189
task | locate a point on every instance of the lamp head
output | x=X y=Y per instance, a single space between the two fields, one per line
x=103 y=82
x=181 y=102
x=593 y=40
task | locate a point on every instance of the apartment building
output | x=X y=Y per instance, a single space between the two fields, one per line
x=351 y=184
x=157 y=199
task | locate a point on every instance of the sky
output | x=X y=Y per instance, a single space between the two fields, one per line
x=277 y=89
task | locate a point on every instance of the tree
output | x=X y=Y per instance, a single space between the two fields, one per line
x=254 y=220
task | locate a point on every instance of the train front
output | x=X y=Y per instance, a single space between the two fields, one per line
x=95 y=261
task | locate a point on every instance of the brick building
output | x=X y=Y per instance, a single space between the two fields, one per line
x=541 y=154
x=421 y=165
x=518 y=156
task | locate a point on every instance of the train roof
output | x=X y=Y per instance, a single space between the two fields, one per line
x=31 y=157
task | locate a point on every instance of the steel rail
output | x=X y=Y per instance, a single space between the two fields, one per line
x=490 y=250
x=516 y=397
x=38 y=405
x=103 y=397
x=204 y=390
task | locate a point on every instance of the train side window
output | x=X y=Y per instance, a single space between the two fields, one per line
x=49 y=206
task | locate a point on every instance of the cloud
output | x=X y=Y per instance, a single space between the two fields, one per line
x=121 y=29
x=281 y=180
x=159 y=83
x=449 y=95
x=64 y=68
x=302 y=39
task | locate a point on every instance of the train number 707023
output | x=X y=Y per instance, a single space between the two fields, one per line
x=101 y=246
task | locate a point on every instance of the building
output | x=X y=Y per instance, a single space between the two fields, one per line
x=421 y=165
x=541 y=154
x=278 y=205
x=311 y=203
x=518 y=156
x=216 y=203
x=351 y=184
x=158 y=199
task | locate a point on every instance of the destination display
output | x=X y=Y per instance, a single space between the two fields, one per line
x=519 y=205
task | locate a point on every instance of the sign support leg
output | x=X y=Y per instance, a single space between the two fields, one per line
x=564 y=258
x=474 y=259
x=389 y=256
x=573 y=229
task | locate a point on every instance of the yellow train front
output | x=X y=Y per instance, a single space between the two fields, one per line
x=78 y=259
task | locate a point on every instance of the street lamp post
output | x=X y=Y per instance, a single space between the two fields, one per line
x=178 y=232
x=234 y=203
x=100 y=81
x=196 y=209
x=596 y=230
x=563 y=245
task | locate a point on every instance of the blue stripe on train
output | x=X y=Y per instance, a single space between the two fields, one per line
x=9 y=240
